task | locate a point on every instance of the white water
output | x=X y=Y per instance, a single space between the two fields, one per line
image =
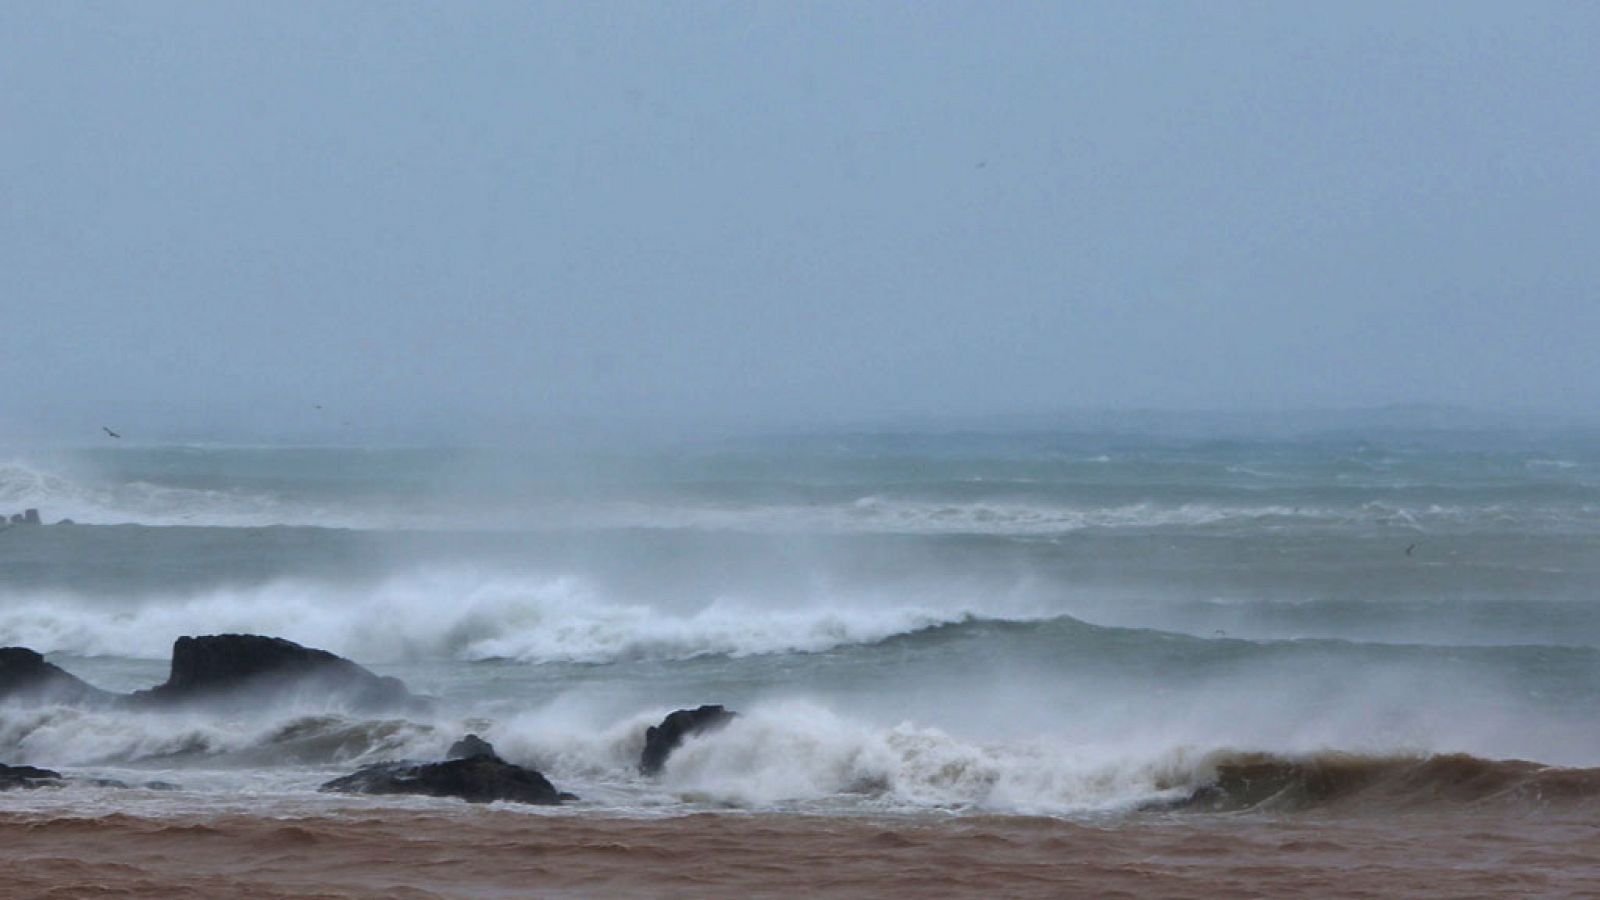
x=88 y=499
x=775 y=601
x=460 y=615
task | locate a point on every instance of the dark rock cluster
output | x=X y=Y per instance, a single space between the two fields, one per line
x=26 y=777
x=233 y=670
x=33 y=777
x=217 y=670
x=28 y=516
x=225 y=669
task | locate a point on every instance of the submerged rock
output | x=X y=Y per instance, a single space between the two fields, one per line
x=661 y=740
x=26 y=678
x=26 y=777
x=123 y=785
x=482 y=778
x=233 y=668
x=32 y=777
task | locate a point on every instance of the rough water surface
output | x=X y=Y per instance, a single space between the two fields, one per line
x=965 y=664
x=497 y=854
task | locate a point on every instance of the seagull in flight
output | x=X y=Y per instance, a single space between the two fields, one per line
x=110 y=432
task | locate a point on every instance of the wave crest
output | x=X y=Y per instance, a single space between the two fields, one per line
x=1239 y=781
x=104 y=502
x=798 y=755
x=453 y=615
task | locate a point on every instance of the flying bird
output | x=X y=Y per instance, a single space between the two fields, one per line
x=110 y=432
x=1410 y=548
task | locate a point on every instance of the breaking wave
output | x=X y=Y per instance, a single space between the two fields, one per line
x=444 y=615
x=800 y=756
x=88 y=500
x=765 y=761
x=1232 y=781
x=72 y=737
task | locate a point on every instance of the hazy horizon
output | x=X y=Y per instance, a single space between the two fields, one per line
x=311 y=222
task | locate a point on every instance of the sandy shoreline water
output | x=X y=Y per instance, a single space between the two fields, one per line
x=497 y=853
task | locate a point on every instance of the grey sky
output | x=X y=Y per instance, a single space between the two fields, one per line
x=222 y=214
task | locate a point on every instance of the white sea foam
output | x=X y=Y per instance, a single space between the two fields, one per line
x=455 y=615
x=785 y=755
x=91 y=499
x=1551 y=464
x=788 y=753
x=800 y=752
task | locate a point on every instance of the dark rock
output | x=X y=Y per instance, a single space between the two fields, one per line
x=26 y=678
x=477 y=779
x=661 y=740
x=30 y=517
x=26 y=777
x=217 y=670
x=227 y=669
x=29 y=776
x=471 y=746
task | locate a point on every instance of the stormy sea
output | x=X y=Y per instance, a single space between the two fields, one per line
x=954 y=658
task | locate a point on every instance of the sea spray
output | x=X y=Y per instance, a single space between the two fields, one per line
x=1056 y=626
x=444 y=614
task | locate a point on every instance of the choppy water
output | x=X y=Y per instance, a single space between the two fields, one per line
x=1027 y=624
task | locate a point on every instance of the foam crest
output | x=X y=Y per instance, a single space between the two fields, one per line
x=798 y=752
x=68 y=737
x=88 y=500
x=891 y=515
x=795 y=755
x=451 y=615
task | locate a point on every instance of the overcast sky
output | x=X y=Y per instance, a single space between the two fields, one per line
x=225 y=214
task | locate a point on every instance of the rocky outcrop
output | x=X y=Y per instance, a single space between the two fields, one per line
x=26 y=678
x=482 y=777
x=661 y=740
x=224 y=670
x=26 y=777
x=469 y=747
x=227 y=669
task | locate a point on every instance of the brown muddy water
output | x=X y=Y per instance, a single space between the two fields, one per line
x=495 y=853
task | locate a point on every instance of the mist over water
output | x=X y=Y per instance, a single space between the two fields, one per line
x=1040 y=623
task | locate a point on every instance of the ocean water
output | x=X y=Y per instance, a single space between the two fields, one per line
x=1066 y=625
